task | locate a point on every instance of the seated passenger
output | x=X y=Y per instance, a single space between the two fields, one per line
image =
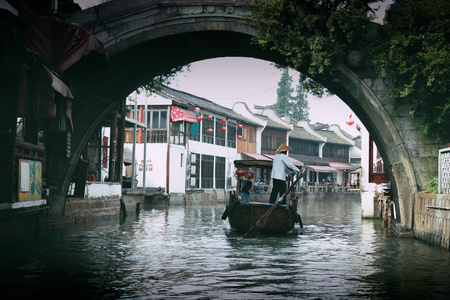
x=245 y=192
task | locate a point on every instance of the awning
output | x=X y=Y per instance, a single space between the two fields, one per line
x=322 y=169
x=342 y=166
x=60 y=43
x=255 y=156
x=296 y=163
x=178 y=114
x=58 y=85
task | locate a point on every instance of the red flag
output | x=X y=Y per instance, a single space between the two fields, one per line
x=179 y=114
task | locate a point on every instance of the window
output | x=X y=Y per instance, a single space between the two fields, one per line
x=29 y=131
x=231 y=135
x=208 y=137
x=280 y=141
x=20 y=129
x=207 y=173
x=251 y=135
x=157 y=124
x=220 y=172
x=158 y=119
x=220 y=134
x=267 y=141
x=177 y=135
x=193 y=171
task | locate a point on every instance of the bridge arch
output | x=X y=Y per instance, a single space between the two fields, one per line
x=151 y=38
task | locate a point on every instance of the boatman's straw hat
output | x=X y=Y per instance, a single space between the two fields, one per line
x=283 y=147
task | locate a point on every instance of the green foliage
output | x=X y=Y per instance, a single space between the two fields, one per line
x=412 y=50
x=284 y=94
x=312 y=34
x=163 y=79
x=433 y=186
x=415 y=54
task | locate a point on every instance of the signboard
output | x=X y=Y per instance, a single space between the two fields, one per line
x=30 y=179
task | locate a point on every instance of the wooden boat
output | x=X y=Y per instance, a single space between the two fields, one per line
x=243 y=216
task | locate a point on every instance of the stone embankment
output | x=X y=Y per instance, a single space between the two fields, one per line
x=432 y=219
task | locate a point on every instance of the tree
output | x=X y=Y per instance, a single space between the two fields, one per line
x=412 y=50
x=414 y=53
x=300 y=105
x=296 y=107
x=284 y=94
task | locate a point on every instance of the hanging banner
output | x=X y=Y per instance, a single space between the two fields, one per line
x=179 y=114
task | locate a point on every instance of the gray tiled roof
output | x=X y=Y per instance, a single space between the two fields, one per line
x=272 y=124
x=189 y=101
x=332 y=137
x=310 y=160
x=301 y=134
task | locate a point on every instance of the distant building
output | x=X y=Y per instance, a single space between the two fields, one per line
x=191 y=143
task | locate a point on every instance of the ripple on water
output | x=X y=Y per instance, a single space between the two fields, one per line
x=191 y=253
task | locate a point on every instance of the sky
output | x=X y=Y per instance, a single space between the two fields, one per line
x=236 y=79
x=253 y=81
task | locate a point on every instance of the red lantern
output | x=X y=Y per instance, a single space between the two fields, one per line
x=251 y=176
x=223 y=121
x=241 y=172
x=239 y=137
x=209 y=117
x=239 y=125
x=350 y=121
x=197 y=109
x=209 y=130
x=199 y=118
x=223 y=128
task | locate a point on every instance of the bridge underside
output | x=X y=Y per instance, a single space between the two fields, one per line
x=157 y=40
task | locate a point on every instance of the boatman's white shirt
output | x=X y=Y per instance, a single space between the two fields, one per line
x=282 y=166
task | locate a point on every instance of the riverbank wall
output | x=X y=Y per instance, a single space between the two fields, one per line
x=101 y=201
x=432 y=219
x=202 y=197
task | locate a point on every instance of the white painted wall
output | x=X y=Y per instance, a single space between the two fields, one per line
x=102 y=189
x=156 y=166
x=177 y=176
x=368 y=189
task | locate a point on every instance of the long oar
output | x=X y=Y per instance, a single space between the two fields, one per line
x=229 y=209
x=259 y=225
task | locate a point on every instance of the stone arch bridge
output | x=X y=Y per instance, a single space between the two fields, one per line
x=146 y=38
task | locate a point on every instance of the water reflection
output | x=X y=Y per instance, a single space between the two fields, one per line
x=191 y=253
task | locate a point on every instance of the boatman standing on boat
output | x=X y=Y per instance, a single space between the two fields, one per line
x=282 y=167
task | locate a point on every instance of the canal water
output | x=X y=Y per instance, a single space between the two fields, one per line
x=191 y=253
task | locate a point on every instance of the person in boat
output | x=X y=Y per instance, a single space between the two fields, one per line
x=282 y=167
x=245 y=191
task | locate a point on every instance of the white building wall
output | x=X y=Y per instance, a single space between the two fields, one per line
x=156 y=165
x=177 y=175
x=368 y=190
x=230 y=154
